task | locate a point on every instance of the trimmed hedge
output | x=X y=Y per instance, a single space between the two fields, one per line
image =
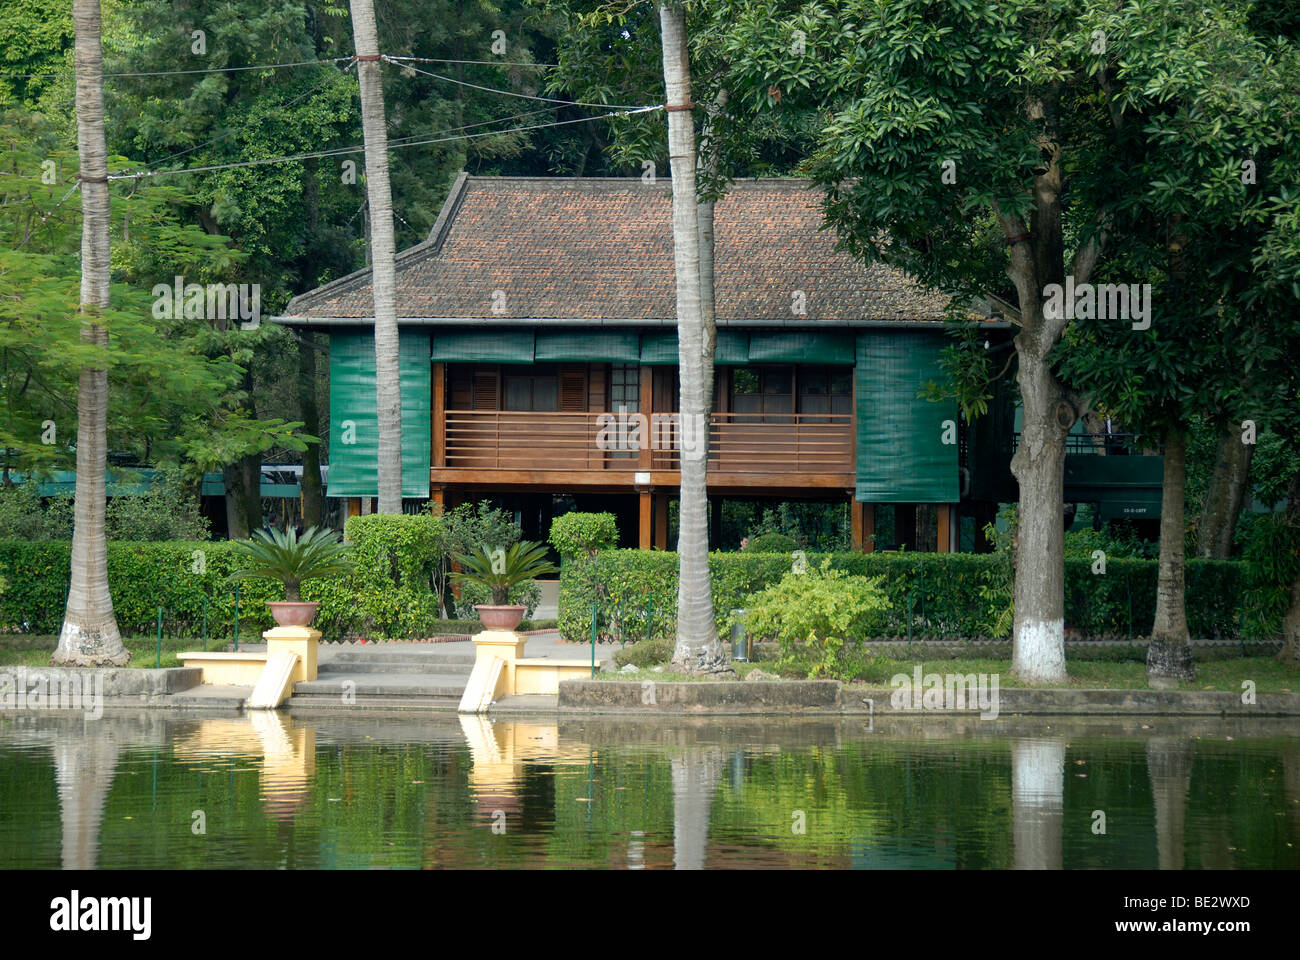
x=942 y=596
x=391 y=595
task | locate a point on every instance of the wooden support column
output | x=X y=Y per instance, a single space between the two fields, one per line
x=643 y=525
x=354 y=506
x=862 y=518
x=438 y=496
x=943 y=541
x=438 y=415
x=645 y=457
x=661 y=521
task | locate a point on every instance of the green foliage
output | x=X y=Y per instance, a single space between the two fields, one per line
x=648 y=653
x=575 y=534
x=771 y=543
x=166 y=512
x=1273 y=553
x=813 y=614
x=284 y=556
x=397 y=557
x=526 y=594
x=939 y=596
x=23 y=516
x=498 y=569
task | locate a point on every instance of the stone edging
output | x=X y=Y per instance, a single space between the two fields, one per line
x=832 y=697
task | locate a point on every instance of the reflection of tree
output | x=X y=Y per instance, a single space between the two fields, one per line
x=84 y=765
x=1037 y=802
x=1169 y=764
x=695 y=778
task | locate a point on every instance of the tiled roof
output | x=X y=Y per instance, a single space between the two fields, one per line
x=596 y=250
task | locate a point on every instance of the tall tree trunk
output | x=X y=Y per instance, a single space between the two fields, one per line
x=1290 y=652
x=313 y=500
x=697 y=649
x=383 y=286
x=1036 y=259
x=1039 y=467
x=89 y=636
x=1225 y=496
x=1169 y=655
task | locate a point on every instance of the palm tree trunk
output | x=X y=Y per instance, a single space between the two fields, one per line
x=379 y=197
x=313 y=497
x=697 y=649
x=89 y=636
x=1169 y=655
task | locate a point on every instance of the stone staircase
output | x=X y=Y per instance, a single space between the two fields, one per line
x=388 y=677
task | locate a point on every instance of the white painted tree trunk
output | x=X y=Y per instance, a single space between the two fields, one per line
x=379 y=197
x=697 y=649
x=1039 y=466
x=90 y=636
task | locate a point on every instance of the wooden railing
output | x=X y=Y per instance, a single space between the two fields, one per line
x=738 y=443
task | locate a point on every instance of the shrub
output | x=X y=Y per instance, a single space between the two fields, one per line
x=813 y=615
x=649 y=653
x=392 y=591
x=283 y=556
x=578 y=534
x=771 y=543
x=527 y=594
x=941 y=596
x=23 y=516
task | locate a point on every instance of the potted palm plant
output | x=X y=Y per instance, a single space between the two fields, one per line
x=283 y=555
x=499 y=570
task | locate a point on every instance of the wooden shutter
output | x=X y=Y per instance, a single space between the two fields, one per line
x=573 y=388
x=487 y=388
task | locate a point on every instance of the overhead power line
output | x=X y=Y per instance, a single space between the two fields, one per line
x=343 y=151
x=175 y=73
x=511 y=93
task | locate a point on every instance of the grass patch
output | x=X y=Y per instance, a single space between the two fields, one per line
x=143 y=652
x=1269 y=675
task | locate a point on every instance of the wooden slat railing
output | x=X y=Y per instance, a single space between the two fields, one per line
x=738 y=443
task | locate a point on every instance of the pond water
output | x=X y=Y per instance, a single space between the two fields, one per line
x=149 y=789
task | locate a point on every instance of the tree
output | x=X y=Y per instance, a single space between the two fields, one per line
x=89 y=636
x=383 y=285
x=697 y=649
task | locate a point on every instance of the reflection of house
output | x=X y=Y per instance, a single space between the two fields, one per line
x=539 y=307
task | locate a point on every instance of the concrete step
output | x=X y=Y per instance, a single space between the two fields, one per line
x=440 y=668
x=436 y=653
x=384 y=685
x=315 y=702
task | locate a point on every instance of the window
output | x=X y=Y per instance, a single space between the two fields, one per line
x=624 y=394
x=825 y=390
x=531 y=388
x=762 y=390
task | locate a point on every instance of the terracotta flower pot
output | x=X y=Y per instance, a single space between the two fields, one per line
x=500 y=618
x=293 y=613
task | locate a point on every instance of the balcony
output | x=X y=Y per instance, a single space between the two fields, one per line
x=744 y=449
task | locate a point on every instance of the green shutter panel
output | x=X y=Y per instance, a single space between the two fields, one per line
x=802 y=346
x=587 y=346
x=901 y=454
x=353 y=466
x=456 y=345
x=660 y=347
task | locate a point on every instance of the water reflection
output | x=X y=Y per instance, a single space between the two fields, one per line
x=340 y=791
